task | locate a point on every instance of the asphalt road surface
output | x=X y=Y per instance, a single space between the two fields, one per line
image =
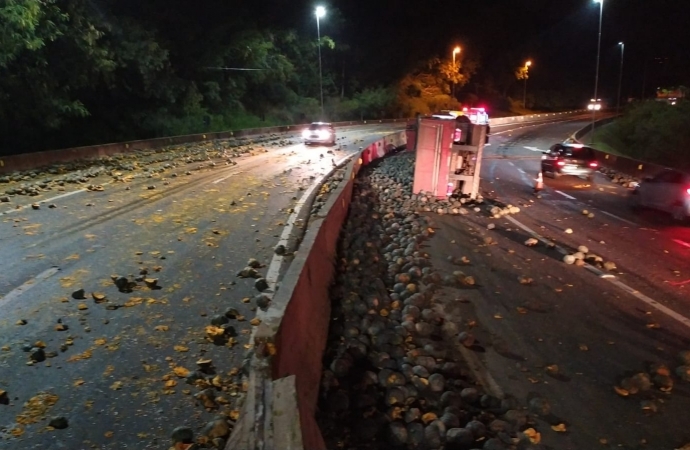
x=113 y=363
x=563 y=333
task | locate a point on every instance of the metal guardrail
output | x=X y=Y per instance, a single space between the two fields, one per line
x=36 y=160
x=624 y=165
x=532 y=117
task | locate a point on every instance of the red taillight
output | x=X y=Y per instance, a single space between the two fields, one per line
x=593 y=164
x=687 y=191
x=561 y=163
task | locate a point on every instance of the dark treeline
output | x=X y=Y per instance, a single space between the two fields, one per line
x=81 y=72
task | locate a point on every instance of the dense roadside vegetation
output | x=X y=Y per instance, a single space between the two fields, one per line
x=651 y=131
x=78 y=72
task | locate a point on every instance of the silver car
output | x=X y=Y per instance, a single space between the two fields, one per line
x=667 y=191
x=320 y=133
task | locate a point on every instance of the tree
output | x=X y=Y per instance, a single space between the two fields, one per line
x=60 y=61
x=427 y=88
x=373 y=103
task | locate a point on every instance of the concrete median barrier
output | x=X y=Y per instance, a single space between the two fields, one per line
x=36 y=160
x=284 y=366
x=620 y=164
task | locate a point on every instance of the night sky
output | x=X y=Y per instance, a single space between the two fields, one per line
x=559 y=36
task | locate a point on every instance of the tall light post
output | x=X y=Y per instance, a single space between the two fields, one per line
x=320 y=12
x=596 y=77
x=524 y=93
x=456 y=50
x=620 y=78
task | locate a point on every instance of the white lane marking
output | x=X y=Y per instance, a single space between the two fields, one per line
x=512 y=164
x=222 y=179
x=612 y=279
x=536 y=235
x=620 y=218
x=15 y=293
x=653 y=303
x=535 y=149
x=273 y=272
x=527 y=181
x=520 y=170
x=683 y=243
x=46 y=200
x=566 y=195
x=283 y=152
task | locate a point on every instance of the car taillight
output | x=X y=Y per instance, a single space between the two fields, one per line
x=593 y=164
x=687 y=191
x=561 y=163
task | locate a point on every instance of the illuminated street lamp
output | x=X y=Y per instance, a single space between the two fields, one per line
x=596 y=77
x=320 y=12
x=524 y=93
x=620 y=78
x=456 y=50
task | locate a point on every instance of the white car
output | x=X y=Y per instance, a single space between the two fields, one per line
x=667 y=191
x=594 y=105
x=319 y=132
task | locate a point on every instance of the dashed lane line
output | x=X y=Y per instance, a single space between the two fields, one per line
x=620 y=218
x=566 y=195
x=612 y=279
x=15 y=293
x=683 y=243
x=47 y=200
x=534 y=149
x=522 y=172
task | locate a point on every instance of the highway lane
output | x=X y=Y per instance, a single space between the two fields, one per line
x=569 y=335
x=114 y=366
x=649 y=248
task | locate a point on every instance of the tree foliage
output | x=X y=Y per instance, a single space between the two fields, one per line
x=427 y=88
x=80 y=72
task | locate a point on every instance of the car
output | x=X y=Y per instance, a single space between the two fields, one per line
x=319 y=132
x=595 y=105
x=570 y=159
x=668 y=191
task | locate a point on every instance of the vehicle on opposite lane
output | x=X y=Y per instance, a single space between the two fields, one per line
x=570 y=159
x=667 y=191
x=319 y=132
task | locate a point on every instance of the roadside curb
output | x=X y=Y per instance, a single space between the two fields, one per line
x=285 y=362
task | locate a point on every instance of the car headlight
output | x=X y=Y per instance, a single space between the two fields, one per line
x=305 y=133
x=590 y=107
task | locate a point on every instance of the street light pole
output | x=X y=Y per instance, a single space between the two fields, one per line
x=456 y=50
x=596 y=77
x=320 y=12
x=620 y=78
x=524 y=93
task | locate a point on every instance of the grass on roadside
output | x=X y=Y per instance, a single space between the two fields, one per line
x=606 y=141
